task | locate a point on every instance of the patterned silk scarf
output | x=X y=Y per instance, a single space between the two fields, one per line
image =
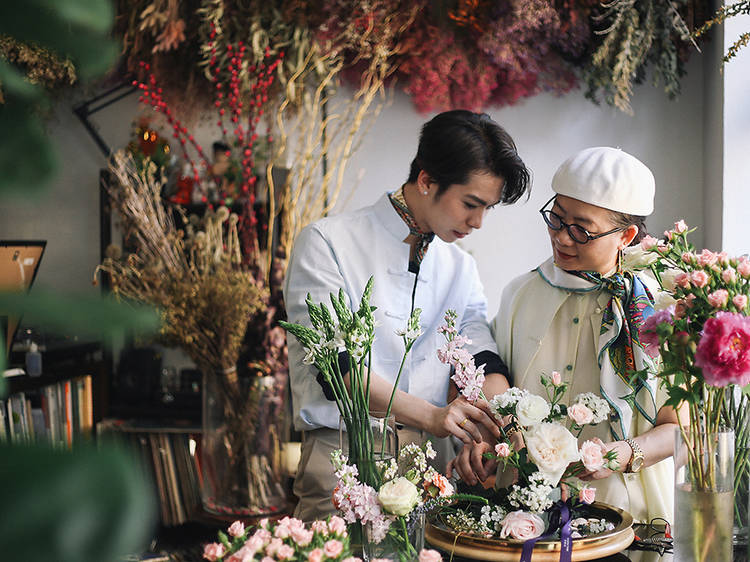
x=619 y=351
x=423 y=238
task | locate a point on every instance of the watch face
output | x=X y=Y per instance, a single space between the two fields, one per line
x=636 y=465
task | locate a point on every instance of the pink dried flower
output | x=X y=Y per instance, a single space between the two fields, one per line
x=719 y=298
x=723 y=352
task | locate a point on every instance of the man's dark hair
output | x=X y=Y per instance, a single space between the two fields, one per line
x=220 y=146
x=456 y=143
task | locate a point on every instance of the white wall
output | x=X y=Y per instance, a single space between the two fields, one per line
x=666 y=135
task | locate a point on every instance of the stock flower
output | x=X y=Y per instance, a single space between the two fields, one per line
x=531 y=409
x=521 y=525
x=399 y=496
x=719 y=298
x=723 y=351
x=552 y=448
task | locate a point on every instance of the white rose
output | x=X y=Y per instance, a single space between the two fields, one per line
x=635 y=258
x=663 y=300
x=521 y=525
x=531 y=409
x=399 y=496
x=669 y=277
x=551 y=447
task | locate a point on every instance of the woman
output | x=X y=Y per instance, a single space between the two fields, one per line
x=465 y=164
x=577 y=313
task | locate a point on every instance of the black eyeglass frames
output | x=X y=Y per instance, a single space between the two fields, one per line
x=575 y=231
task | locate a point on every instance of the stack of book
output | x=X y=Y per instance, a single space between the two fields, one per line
x=169 y=456
x=60 y=414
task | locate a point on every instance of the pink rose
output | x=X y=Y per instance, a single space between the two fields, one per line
x=699 y=278
x=707 y=258
x=273 y=546
x=723 y=258
x=285 y=552
x=255 y=543
x=729 y=275
x=352 y=559
x=502 y=450
x=521 y=525
x=333 y=548
x=263 y=534
x=648 y=242
x=337 y=525
x=244 y=554
x=213 y=551
x=263 y=523
x=302 y=536
x=682 y=280
x=429 y=555
x=688 y=258
x=680 y=226
x=740 y=301
x=668 y=234
x=592 y=456
x=319 y=526
x=315 y=555
x=236 y=529
x=556 y=378
x=282 y=531
x=743 y=268
x=587 y=495
x=723 y=351
x=580 y=414
x=719 y=298
x=267 y=559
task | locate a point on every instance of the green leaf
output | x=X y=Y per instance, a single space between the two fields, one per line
x=88 y=505
x=82 y=315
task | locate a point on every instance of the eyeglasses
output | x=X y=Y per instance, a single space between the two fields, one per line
x=575 y=231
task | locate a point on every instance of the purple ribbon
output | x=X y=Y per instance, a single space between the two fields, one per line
x=559 y=519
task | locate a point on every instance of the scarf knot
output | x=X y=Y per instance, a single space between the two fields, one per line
x=423 y=238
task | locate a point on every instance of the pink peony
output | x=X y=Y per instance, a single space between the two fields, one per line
x=740 y=301
x=315 y=555
x=580 y=414
x=502 y=450
x=724 y=350
x=236 y=529
x=707 y=258
x=729 y=275
x=592 y=456
x=680 y=226
x=556 y=378
x=429 y=555
x=682 y=280
x=333 y=548
x=743 y=268
x=521 y=525
x=699 y=278
x=587 y=495
x=719 y=298
x=213 y=551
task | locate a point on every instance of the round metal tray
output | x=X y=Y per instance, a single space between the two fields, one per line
x=585 y=548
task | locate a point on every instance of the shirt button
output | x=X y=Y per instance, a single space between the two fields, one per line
x=575 y=320
x=569 y=367
x=598 y=310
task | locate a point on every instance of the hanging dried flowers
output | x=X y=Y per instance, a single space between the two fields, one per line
x=39 y=65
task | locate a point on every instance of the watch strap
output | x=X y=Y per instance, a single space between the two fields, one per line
x=637 y=454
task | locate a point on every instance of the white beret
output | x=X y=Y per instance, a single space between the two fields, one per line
x=609 y=178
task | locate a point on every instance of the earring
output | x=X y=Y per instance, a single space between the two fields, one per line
x=424 y=192
x=619 y=260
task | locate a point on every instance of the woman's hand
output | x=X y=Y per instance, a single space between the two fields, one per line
x=623 y=452
x=464 y=420
x=470 y=464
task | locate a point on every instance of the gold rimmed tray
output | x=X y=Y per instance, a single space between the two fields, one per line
x=500 y=550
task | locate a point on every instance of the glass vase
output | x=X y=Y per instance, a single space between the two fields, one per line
x=402 y=542
x=704 y=495
x=367 y=442
x=240 y=458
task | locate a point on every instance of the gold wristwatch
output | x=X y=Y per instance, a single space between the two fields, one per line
x=636 y=461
